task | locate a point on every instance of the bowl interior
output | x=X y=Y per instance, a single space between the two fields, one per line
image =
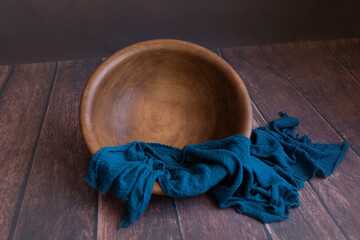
x=169 y=95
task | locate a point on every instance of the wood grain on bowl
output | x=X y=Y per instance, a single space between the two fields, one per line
x=166 y=91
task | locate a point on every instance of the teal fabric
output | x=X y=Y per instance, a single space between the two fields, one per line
x=258 y=177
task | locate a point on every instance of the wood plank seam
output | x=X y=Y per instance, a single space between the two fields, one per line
x=306 y=99
x=2 y=88
x=177 y=217
x=251 y=99
x=262 y=116
x=178 y=220
x=311 y=229
x=66 y=206
x=30 y=161
x=326 y=208
x=267 y=225
x=341 y=62
x=331 y=126
x=96 y=216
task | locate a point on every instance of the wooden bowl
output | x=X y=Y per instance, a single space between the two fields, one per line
x=165 y=91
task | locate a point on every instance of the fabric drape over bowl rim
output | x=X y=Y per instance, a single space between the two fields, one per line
x=108 y=64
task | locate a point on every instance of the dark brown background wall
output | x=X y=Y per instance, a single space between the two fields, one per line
x=42 y=30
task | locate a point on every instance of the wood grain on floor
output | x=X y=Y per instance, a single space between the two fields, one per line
x=159 y=220
x=5 y=73
x=43 y=159
x=22 y=106
x=347 y=52
x=324 y=82
x=57 y=203
x=271 y=92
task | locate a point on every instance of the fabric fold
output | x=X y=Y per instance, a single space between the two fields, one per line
x=259 y=177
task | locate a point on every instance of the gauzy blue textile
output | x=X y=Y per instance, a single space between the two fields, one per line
x=258 y=177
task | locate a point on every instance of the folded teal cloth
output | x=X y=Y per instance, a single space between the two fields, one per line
x=258 y=177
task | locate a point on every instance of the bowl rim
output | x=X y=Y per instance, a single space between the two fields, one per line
x=107 y=65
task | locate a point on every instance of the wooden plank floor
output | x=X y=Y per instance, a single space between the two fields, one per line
x=43 y=160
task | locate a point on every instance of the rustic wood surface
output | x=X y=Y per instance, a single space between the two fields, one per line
x=264 y=82
x=57 y=200
x=347 y=52
x=43 y=159
x=179 y=88
x=5 y=73
x=23 y=101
